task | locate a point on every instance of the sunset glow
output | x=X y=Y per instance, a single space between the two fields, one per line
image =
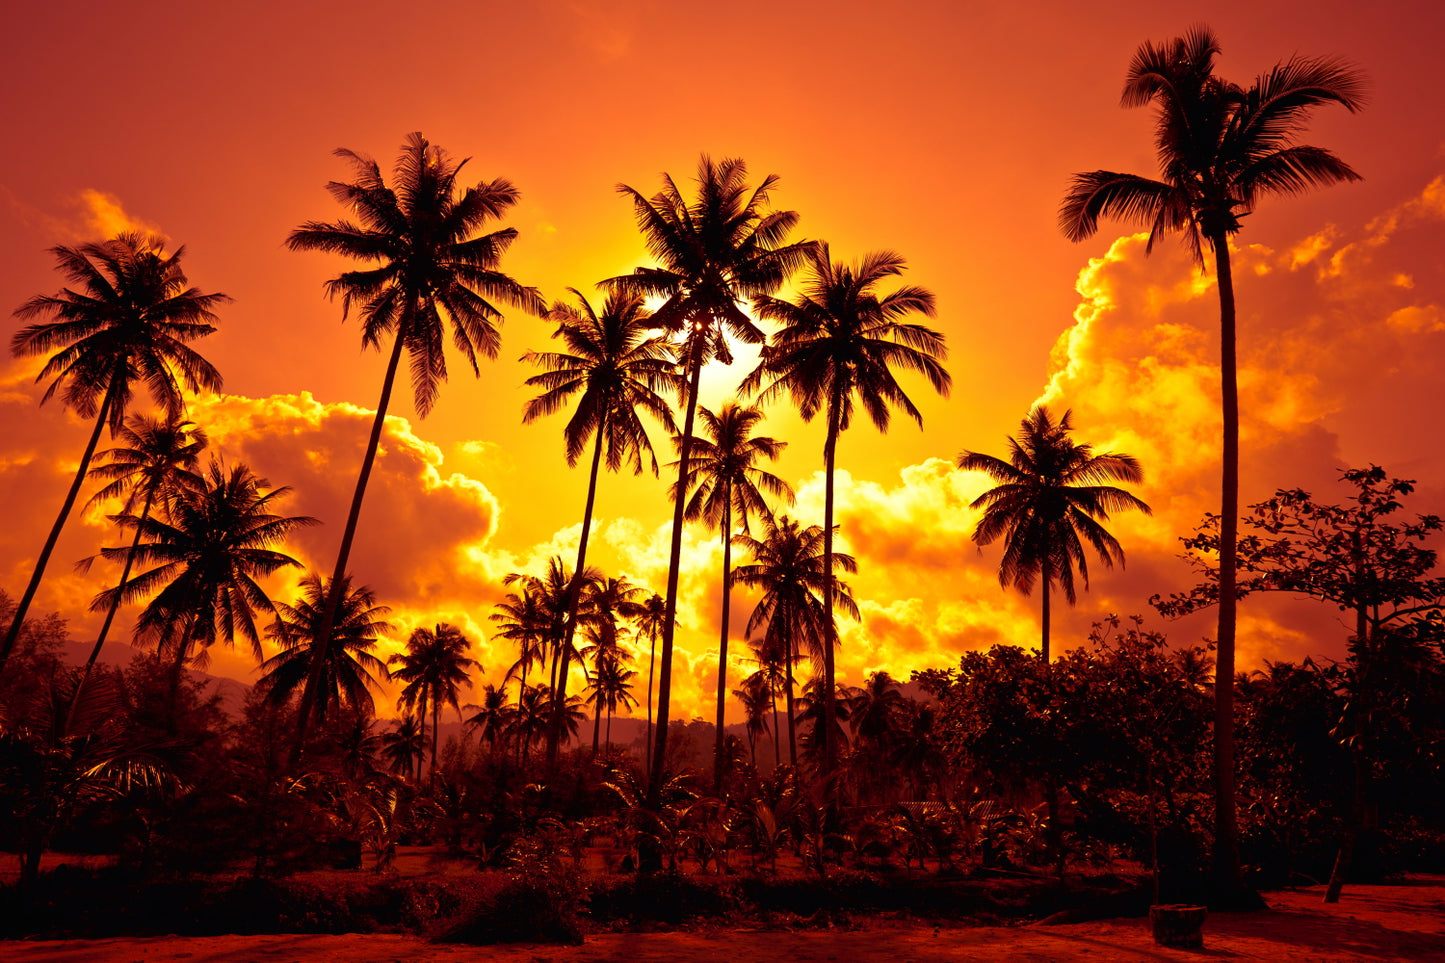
x=940 y=131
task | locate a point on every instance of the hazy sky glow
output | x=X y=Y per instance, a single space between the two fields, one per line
x=944 y=131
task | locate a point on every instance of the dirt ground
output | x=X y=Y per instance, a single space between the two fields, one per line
x=1405 y=921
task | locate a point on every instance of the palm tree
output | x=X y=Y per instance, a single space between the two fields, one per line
x=208 y=553
x=131 y=321
x=493 y=716
x=426 y=266
x=772 y=676
x=611 y=683
x=842 y=340
x=756 y=696
x=1048 y=496
x=155 y=459
x=789 y=567
x=726 y=480
x=618 y=366
x=350 y=670
x=649 y=623
x=1221 y=149
x=403 y=747
x=523 y=620
x=434 y=668
x=713 y=252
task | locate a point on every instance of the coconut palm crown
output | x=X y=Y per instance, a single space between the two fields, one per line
x=1049 y=503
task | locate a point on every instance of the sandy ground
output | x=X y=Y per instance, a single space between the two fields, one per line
x=1371 y=923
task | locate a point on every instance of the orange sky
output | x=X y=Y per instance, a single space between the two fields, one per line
x=946 y=132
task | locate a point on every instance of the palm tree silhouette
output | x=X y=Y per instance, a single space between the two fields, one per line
x=756 y=697
x=131 y=320
x=155 y=459
x=1221 y=149
x=608 y=601
x=772 y=677
x=649 y=623
x=493 y=716
x=714 y=252
x=841 y=340
x=433 y=668
x=618 y=367
x=350 y=670
x=789 y=567
x=1048 y=504
x=426 y=266
x=208 y=552
x=404 y=746
x=726 y=480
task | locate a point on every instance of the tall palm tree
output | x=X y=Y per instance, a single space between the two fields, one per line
x=609 y=601
x=404 y=746
x=350 y=671
x=772 y=676
x=649 y=623
x=840 y=341
x=1048 y=503
x=523 y=621
x=426 y=266
x=611 y=683
x=493 y=715
x=154 y=460
x=131 y=320
x=434 y=668
x=788 y=565
x=755 y=696
x=1221 y=149
x=616 y=366
x=727 y=483
x=713 y=252
x=207 y=553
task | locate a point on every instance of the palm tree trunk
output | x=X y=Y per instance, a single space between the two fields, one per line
x=574 y=598
x=651 y=664
x=596 y=724
x=722 y=648
x=1363 y=704
x=664 y=681
x=110 y=612
x=777 y=733
x=18 y=621
x=436 y=704
x=421 y=736
x=1048 y=584
x=1226 y=850
x=788 y=702
x=311 y=693
x=830 y=625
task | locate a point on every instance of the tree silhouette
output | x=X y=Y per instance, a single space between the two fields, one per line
x=727 y=483
x=1221 y=149
x=789 y=567
x=427 y=266
x=1048 y=496
x=349 y=669
x=841 y=340
x=493 y=716
x=618 y=367
x=649 y=623
x=714 y=252
x=155 y=459
x=433 y=668
x=208 y=553
x=131 y=320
